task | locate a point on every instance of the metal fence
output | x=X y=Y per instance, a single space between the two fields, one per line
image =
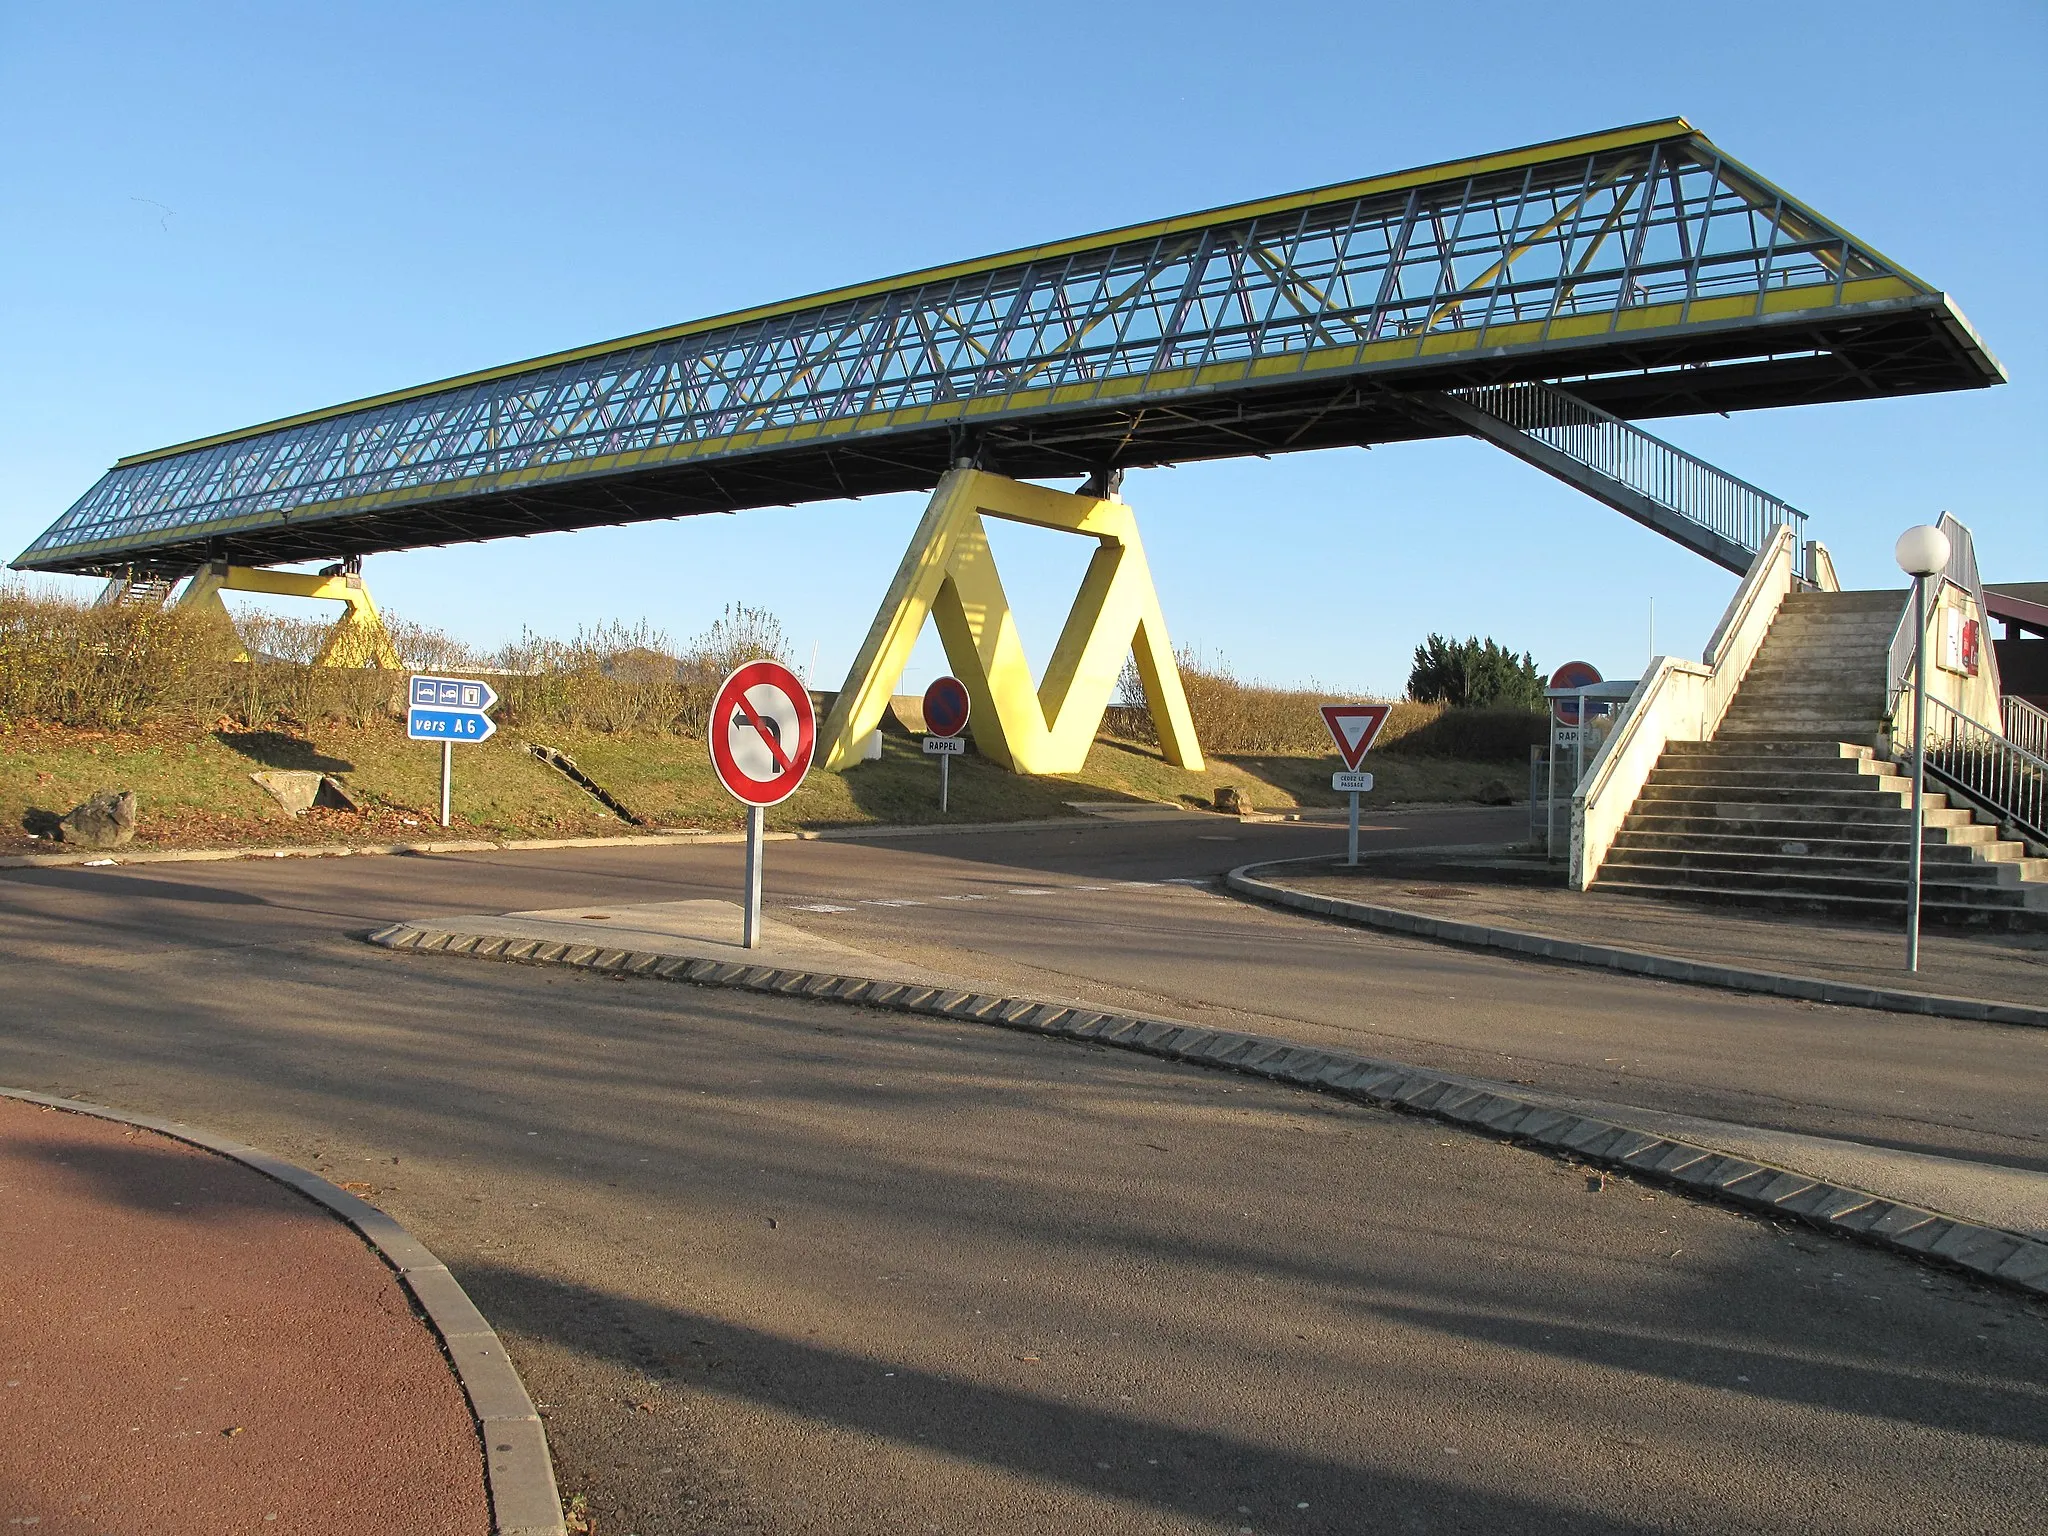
x=2002 y=776
x=1649 y=466
x=2025 y=726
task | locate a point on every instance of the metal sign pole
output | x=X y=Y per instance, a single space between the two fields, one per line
x=1919 y=772
x=1352 y=856
x=945 y=779
x=447 y=773
x=751 y=936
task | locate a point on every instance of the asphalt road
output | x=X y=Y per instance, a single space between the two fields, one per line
x=1187 y=950
x=778 y=1266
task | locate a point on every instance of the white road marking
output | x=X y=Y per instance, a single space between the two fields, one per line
x=1186 y=881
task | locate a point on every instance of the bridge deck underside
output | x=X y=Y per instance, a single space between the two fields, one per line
x=1641 y=269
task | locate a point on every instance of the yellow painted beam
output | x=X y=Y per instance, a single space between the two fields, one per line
x=358 y=638
x=949 y=575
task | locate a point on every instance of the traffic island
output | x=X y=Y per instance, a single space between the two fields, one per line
x=1497 y=899
x=661 y=946
x=190 y=1342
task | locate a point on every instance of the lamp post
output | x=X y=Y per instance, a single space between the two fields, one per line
x=1921 y=552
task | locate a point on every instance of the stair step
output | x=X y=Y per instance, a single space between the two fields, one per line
x=1892 y=794
x=1850 y=778
x=1879 y=909
x=1822 y=751
x=1886 y=863
x=1885 y=847
x=1870 y=885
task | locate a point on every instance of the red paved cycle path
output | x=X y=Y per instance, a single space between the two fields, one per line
x=187 y=1346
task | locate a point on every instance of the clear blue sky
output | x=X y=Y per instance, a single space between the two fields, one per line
x=220 y=214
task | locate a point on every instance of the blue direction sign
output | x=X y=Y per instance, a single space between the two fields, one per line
x=450 y=709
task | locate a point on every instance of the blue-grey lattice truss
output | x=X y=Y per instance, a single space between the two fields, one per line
x=1640 y=269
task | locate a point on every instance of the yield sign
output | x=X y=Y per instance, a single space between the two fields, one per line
x=763 y=732
x=1353 y=727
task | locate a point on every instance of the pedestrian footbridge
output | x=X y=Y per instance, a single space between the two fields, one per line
x=1545 y=299
x=1642 y=272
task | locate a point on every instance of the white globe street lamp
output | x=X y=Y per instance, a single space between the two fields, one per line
x=1921 y=552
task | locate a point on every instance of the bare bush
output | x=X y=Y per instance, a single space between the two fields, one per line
x=66 y=662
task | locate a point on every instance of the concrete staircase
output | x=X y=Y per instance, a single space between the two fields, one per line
x=1790 y=809
x=1820 y=675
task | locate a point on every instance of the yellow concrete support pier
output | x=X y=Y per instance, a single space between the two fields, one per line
x=358 y=638
x=950 y=575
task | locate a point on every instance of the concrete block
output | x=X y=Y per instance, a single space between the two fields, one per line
x=1964 y=1240
x=2027 y=1265
x=1896 y=1222
x=1674 y=1159
x=495 y=1391
x=1840 y=1207
x=1305 y=1066
x=1784 y=1186
x=524 y=1498
x=1593 y=1138
x=1632 y=1144
x=1924 y=1237
x=445 y=1301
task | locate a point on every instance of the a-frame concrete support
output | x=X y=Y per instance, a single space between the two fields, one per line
x=949 y=574
x=358 y=638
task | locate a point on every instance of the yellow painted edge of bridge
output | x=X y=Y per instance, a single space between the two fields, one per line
x=1433 y=345
x=1395 y=181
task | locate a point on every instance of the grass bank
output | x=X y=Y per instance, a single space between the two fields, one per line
x=195 y=788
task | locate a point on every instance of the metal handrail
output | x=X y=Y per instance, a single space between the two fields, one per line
x=1671 y=477
x=1998 y=773
x=2025 y=726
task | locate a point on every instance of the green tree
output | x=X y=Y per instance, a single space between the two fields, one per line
x=1474 y=674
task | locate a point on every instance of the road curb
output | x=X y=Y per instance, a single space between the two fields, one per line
x=1475 y=1104
x=531 y=844
x=518 y=1471
x=1633 y=962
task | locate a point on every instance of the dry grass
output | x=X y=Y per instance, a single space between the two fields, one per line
x=67 y=663
x=1237 y=718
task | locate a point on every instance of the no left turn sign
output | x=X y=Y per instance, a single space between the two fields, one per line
x=763 y=732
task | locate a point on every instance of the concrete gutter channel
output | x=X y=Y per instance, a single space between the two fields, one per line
x=1987 y=1251
x=518 y=1472
x=1633 y=962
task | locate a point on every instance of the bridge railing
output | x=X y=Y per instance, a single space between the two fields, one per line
x=1675 y=480
x=2025 y=726
x=1996 y=772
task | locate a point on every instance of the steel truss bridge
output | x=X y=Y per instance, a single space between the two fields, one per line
x=1543 y=298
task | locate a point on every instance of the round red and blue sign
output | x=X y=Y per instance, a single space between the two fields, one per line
x=1573 y=674
x=946 y=707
